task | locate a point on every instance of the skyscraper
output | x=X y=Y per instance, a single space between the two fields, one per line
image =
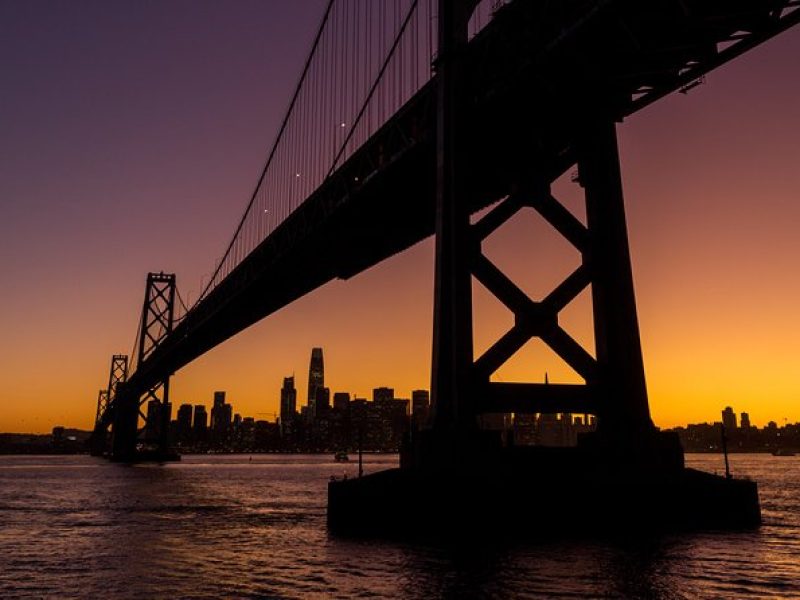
x=221 y=416
x=184 y=425
x=729 y=419
x=152 y=427
x=420 y=406
x=316 y=379
x=323 y=403
x=288 y=401
x=382 y=394
x=200 y=426
x=745 y=422
x=341 y=401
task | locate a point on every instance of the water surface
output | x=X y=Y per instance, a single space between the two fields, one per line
x=254 y=527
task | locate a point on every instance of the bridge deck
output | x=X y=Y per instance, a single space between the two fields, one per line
x=536 y=71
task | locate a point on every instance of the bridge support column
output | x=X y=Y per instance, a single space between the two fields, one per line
x=622 y=406
x=126 y=421
x=452 y=417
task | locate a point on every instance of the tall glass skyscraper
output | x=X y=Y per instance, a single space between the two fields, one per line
x=316 y=379
x=288 y=400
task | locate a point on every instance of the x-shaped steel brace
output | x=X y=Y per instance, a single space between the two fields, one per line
x=531 y=318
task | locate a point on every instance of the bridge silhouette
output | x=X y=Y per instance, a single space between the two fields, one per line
x=409 y=118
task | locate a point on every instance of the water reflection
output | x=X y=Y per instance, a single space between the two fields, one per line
x=227 y=526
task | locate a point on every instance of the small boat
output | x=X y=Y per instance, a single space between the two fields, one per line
x=341 y=456
x=783 y=452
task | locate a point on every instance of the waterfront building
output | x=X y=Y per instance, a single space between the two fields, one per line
x=267 y=435
x=152 y=425
x=200 y=424
x=420 y=407
x=745 y=421
x=323 y=401
x=547 y=430
x=183 y=424
x=382 y=393
x=288 y=404
x=236 y=429
x=387 y=419
x=524 y=429
x=359 y=427
x=221 y=417
x=395 y=422
x=340 y=421
x=341 y=401
x=729 y=419
x=316 y=379
x=288 y=418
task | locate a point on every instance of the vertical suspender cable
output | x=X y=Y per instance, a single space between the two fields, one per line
x=274 y=147
x=375 y=84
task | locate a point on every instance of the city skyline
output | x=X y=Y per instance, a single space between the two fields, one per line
x=728 y=417
x=710 y=263
x=290 y=410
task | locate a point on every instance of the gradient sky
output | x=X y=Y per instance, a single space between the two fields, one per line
x=132 y=133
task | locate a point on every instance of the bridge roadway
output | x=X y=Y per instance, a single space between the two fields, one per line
x=535 y=73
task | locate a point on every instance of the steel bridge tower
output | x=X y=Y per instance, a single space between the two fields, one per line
x=117 y=374
x=461 y=389
x=157 y=323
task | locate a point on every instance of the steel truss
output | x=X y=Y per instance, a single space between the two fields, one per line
x=102 y=405
x=117 y=373
x=614 y=380
x=614 y=387
x=134 y=427
x=461 y=389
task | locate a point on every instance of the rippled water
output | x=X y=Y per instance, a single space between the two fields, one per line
x=226 y=526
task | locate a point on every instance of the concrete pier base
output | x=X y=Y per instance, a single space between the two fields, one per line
x=544 y=492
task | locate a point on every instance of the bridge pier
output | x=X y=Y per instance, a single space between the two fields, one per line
x=622 y=406
x=125 y=431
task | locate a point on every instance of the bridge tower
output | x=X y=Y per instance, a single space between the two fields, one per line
x=461 y=389
x=99 y=439
x=452 y=415
x=117 y=373
x=157 y=322
x=102 y=404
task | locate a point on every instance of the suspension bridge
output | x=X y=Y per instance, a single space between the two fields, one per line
x=411 y=116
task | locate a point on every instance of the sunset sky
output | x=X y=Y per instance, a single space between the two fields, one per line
x=132 y=134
